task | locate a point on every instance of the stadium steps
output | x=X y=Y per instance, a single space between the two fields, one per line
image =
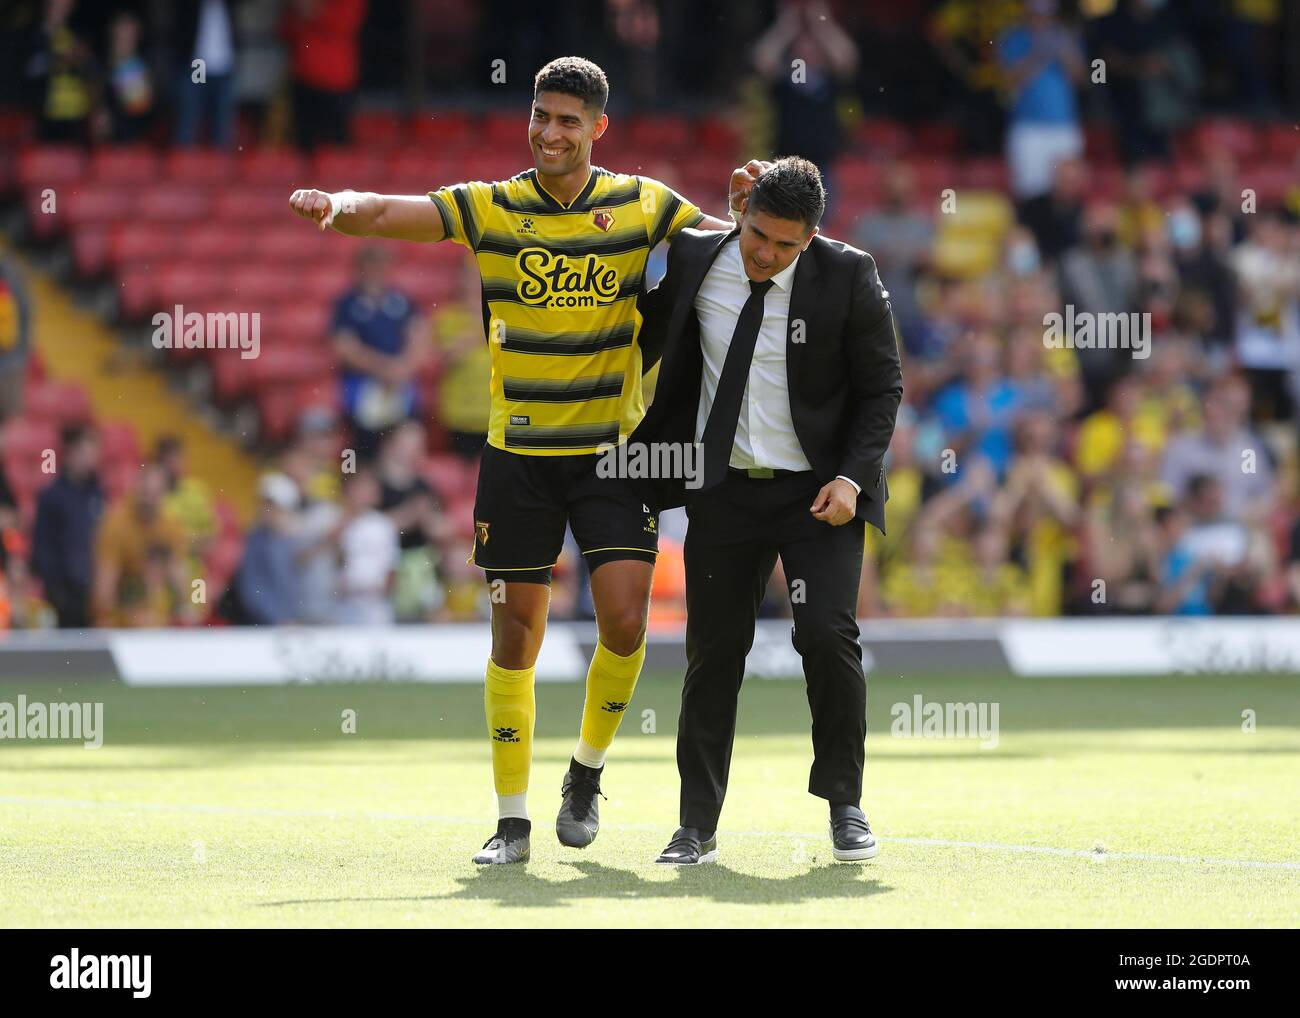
x=76 y=346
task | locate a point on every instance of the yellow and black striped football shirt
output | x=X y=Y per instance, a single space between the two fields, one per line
x=560 y=285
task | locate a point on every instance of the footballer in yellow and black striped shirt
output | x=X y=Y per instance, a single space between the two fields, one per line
x=562 y=251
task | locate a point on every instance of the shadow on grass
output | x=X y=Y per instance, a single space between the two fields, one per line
x=516 y=887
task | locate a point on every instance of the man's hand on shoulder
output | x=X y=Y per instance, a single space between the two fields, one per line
x=742 y=182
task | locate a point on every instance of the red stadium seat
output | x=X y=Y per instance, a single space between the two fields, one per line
x=301 y=323
x=489 y=165
x=377 y=130
x=27 y=480
x=504 y=131
x=1099 y=144
x=50 y=166
x=425 y=171
x=232 y=376
x=198 y=166
x=1233 y=136
x=857 y=180
x=260 y=286
x=1282 y=141
x=16 y=127
x=987 y=173
x=460 y=513
x=448 y=476
x=253 y=205
x=130 y=243
x=126 y=165
x=175 y=203
x=422 y=283
x=90 y=251
x=195 y=286
x=222 y=561
x=718 y=137
x=118 y=477
x=286 y=366
x=663 y=134
x=336 y=169
x=99 y=203
x=59 y=403
x=442 y=130
x=26 y=439
x=217 y=242
x=272 y=166
x=137 y=292
x=280 y=410
x=1271 y=181
x=882 y=136
x=938 y=137
x=293 y=242
x=119 y=443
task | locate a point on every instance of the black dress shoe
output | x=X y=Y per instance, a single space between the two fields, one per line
x=690 y=847
x=851 y=837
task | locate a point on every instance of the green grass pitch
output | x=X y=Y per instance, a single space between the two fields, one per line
x=1107 y=802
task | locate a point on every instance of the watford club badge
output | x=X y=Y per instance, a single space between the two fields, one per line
x=603 y=218
x=481 y=529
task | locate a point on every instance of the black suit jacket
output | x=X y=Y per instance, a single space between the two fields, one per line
x=844 y=376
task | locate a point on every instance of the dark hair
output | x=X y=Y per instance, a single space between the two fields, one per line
x=791 y=188
x=576 y=77
x=167 y=445
x=74 y=434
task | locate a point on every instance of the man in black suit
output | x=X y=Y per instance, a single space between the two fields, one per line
x=780 y=369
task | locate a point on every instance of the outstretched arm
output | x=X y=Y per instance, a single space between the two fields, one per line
x=365 y=214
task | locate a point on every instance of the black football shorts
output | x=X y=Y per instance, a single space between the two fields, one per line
x=524 y=502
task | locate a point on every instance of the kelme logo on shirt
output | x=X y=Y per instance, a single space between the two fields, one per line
x=560 y=281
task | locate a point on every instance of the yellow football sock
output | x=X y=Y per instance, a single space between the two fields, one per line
x=610 y=682
x=511 y=711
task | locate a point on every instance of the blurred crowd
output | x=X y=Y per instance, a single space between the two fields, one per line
x=1031 y=478
x=1026 y=477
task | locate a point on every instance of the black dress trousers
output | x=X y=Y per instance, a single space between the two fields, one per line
x=736 y=531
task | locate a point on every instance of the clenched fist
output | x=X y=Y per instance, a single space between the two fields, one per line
x=836 y=503
x=318 y=206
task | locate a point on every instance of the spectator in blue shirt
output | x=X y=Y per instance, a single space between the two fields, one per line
x=266 y=586
x=977 y=412
x=1042 y=61
x=381 y=344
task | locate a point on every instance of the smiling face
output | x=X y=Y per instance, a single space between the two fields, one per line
x=561 y=132
x=769 y=244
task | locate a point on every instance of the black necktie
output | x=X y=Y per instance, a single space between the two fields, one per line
x=720 y=430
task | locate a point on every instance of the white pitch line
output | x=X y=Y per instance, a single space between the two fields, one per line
x=431 y=818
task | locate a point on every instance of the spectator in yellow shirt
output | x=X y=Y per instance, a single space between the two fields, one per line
x=141 y=577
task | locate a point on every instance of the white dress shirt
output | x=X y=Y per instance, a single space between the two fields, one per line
x=765 y=434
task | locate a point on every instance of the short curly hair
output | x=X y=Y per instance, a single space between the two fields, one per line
x=576 y=77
